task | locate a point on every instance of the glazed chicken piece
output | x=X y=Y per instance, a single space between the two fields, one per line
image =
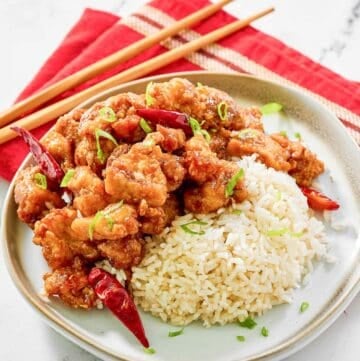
x=202 y=104
x=211 y=176
x=59 y=243
x=86 y=153
x=122 y=121
x=305 y=166
x=71 y=285
x=154 y=220
x=112 y=223
x=33 y=201
x=89 y=191
x=123 y=253
x=268 y=151
x=60 y=148
x=173 y=139
x=68 y=125
x=137 y=175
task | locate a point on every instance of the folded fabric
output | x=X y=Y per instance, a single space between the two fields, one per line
x=98 y=34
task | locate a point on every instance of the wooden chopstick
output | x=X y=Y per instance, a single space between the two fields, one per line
x=53 y=111
x=106 y=63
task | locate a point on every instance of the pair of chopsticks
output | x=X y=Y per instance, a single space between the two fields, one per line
x=55 y=110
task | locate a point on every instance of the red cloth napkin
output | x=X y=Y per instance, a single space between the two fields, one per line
x=98 y=34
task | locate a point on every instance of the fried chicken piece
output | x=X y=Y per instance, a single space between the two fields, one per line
x=268 y=150
x=173 y=139
x=114 y=222
x=305 y=166
x=33 y=201
x=89 y=191
x=60 y=148
x=218 y=143
x=68 y=125
x=202 y=103
x=211 y=175
x=123 y=253
x=71 y=285
x=86 y=153
x=137 y=175
x=126 y=123
x=154 y=220
x=59 y=243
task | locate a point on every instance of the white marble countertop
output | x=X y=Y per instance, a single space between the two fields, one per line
x=328 y=31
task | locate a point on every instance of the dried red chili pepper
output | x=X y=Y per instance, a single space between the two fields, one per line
x=43 y=158
x=118 y=301
x=319 y=201
x=167 y=118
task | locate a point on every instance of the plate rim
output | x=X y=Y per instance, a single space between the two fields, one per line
x=285 y=348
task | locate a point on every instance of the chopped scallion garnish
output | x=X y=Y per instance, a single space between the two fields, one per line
x=196 y=128
x=40 y=180
x=67 y=177
x=149 y=350
x=176 y=333
x=229 y=189
x=265 y=332
x=149 y=100
x=277 y=232
x=99 y=133
x=107 y=114
x=93 y=223
x=248 y=323
x=113 y=208
x=304 y=306
x=198 y=84
x=270 y=108
x=145 y=126
x=297 y=135
x=186 y=228
x=240 y=338
x=248 y=133
x=278 y=196
x=283 y=133
x=222 y=111
x=237 y=211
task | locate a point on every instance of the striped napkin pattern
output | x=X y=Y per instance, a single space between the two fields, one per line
x=98 y=34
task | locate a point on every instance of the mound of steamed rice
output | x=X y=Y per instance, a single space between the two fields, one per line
x=250 y=256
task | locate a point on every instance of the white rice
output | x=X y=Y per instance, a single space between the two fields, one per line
x=235 y=269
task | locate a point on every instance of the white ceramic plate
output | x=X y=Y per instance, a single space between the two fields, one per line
x=331 y=287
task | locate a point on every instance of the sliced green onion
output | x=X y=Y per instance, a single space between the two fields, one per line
x=304 y=306
x=107 y=114
x=237 y=211
x=296 y=234
x=270 y=108
x=113 y=208
x=186 y=228
x=93 y=223
x=198 y=84
x=149 y=100
x=240 y=338
x=145 y=126
x=277 y=232
x=222 y=111
x=40 y=180
x=248 y=323
x=99 y=133
x=229 y=189
x=196 y=128
x=278 y=196
x=248 y=133
x=297 y=135
x=149 y=142
x=68 y=175
x=176 y=333
x=265 y=332
x=149 y=350
x=283 y=133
